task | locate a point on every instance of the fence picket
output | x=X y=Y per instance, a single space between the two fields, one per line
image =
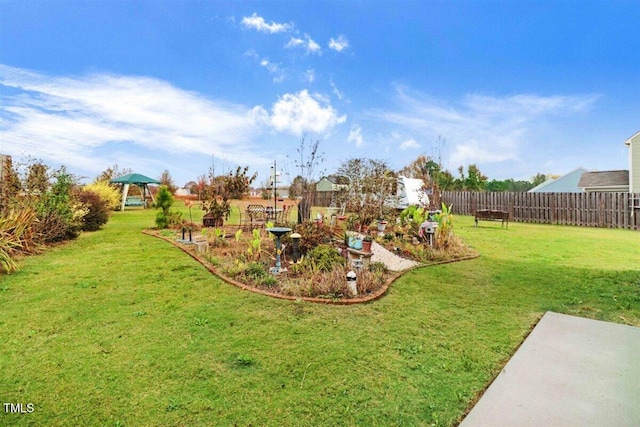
x=611 y=210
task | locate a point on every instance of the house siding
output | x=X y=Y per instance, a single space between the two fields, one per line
x=634 y=164
x=324 y=185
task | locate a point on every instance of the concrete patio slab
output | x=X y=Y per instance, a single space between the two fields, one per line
x=570 y=371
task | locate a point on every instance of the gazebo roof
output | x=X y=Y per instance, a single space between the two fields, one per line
x=134 y=178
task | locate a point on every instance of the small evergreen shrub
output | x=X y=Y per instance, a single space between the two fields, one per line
x=164 y=201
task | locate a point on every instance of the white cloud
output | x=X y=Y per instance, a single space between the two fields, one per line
x=273 y=68
x=410 y=143
x=482 y=129
x=308 y=44
x=258 y=23
x=336 y=91
x=339 y=44
x=70 y=119
x=310 y=76
x=355 y=136
x=298 y=113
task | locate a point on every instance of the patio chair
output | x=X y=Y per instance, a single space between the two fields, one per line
x=257 y=216
x=244 y=220
x=283 y=216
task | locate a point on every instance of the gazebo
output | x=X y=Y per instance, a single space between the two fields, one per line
x=135 y=179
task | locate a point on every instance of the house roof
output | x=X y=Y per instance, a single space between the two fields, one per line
x=604 y=179
x=628 y=141
x=336 y=179
x=565 y=184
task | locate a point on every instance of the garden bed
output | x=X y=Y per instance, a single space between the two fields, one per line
x=244 y=259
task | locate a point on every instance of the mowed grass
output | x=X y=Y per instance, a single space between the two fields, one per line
x=120 y=329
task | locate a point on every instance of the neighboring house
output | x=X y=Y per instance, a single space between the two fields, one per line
x=605 y=181
x=332 y=183
x=626 y=181
x=565 y=184
x=327 y=188
x=634 y=162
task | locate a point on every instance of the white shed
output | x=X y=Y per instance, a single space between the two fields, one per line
x=410 y=192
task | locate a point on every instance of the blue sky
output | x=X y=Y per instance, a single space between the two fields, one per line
x=517 y=87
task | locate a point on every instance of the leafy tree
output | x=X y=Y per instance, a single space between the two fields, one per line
x=265 y=190
x=166 y=180
x=421 y=168
x=236 y=184
x=201 y=186
x=371 y=183
x=112 y=172
x=474 y=181
x=37 y=180
x=519 y=186
x=435 y=178
x=538 y=179
x=497 y=186
x=445 y=180
x=192 y=186
x=509 y=185
x=297 y=187
x=9 y=184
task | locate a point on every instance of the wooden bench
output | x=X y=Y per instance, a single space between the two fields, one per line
x=492 y=215
x=134 y=201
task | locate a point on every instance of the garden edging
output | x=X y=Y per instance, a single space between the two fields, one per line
x=370 y=297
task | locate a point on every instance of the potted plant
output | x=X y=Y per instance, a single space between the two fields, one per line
x=366 y=243
x=358 y=244
x=352 y=241
x=382 y=224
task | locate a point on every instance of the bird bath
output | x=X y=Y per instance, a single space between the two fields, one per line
x=278 y=232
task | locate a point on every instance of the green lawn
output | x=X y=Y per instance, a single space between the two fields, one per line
x=122 y=329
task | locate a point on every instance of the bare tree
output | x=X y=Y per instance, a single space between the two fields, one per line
x=307 y=165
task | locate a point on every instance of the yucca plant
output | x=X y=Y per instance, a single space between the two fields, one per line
x=16 y=234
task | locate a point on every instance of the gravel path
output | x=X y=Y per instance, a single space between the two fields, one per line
x=391 y=260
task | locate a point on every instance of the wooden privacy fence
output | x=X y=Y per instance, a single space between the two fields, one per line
x=322 y=198
x=608 y=210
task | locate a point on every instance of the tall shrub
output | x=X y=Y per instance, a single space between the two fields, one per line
x=59 y=215
x=110 y=195
x=97 y=214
